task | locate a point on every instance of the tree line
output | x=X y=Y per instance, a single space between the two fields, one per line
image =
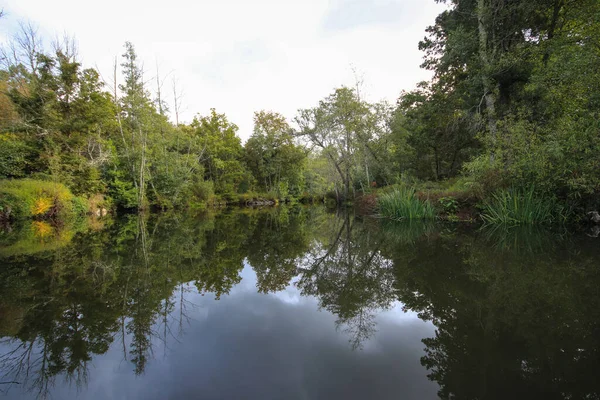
x=514 y=97
x=513 y=102
x=62 y=122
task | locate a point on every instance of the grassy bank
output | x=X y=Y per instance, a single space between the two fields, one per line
x=464 y=201
x=45 y=200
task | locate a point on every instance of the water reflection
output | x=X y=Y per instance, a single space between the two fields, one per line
x=516 y=313
x=348 y=273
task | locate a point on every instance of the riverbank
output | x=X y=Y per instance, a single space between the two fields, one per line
x=457 y=200
x=464 y=201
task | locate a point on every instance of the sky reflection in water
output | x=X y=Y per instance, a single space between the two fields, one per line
x=300 y=304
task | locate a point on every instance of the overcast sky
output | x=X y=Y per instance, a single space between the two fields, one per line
x=240 y=56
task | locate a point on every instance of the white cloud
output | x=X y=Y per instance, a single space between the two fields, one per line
x=241 y=56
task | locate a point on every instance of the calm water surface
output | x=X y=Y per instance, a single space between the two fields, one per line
x=296 y=303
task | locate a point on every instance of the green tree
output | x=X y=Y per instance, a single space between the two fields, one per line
x=63 y=118
x=439 y=133
x=344 y=129
x=222 y=152
x=275 y=161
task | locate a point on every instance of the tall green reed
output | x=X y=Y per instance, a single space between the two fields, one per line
x=403 y=204
x=520 y=207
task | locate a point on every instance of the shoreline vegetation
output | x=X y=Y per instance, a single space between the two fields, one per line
x=505 y=133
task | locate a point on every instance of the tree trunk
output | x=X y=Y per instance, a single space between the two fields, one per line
x=558 y=4
x=142 y=187
x=489 y=87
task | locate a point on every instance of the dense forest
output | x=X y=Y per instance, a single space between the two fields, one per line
x=510 y=116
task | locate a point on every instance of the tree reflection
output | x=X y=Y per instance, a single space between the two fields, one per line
x=280 y=237
x=348 y=273
x=127 y=283
x=516 y=316
x=517 y=312
x=60 y=308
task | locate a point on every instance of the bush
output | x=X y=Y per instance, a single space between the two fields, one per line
x=518 y=207
x=403 y=204
x=123 y=193
x=29 y=198
x=14 y=156
x=203 y=190
x=449 y=204
x=81 y=205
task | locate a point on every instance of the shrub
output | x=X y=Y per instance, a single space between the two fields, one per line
x=403 y=204
x=124 y=194
x=518 y=207
x=14 y=156
x=449 y=204
x=42 y=205
x=203 y=190
x=81 y=206
x=28 y=198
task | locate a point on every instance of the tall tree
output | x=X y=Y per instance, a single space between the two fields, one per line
x=222 y=155
x=272 y=156
x=342 y=127
x=136 y=109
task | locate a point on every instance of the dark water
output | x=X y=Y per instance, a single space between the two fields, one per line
x=296 y=303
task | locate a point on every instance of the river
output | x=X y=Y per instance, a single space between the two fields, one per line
x=296 y=303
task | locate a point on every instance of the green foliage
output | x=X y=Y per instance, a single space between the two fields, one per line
x=449 y=204
x=403 y=204
x=81 y=205
x=351 y=134
x=509 y=102
x=520 y=207
x=122 y=191
x=59 y=123
x=222 y=152
x=275 y=161
x=438 y=133
x=508 y=106
x=203 y=191
x=28 y=198
x=63 y=119
x=14 y=156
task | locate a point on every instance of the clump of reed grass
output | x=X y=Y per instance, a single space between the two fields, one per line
x=403 y=204
x=519 y=207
